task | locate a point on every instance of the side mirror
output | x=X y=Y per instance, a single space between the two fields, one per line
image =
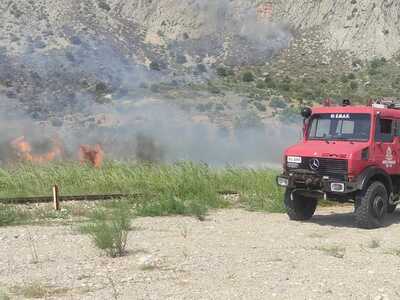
x=306 y=112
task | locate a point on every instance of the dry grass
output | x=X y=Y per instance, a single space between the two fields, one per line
x=37 y=290
x=334 y=251
x=373 y=244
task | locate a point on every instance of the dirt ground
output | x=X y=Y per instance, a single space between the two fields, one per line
x=234 y=254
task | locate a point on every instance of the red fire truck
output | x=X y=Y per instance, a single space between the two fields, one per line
x=347 y=154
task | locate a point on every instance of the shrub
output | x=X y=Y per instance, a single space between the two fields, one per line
x=201 y=68
x=213 y=89
x=278 y=103
x=247 y=76
x=261 y=84
x=354 y=85
x=357 y=63
x=285 y=85
x=219 y=107
x=260 y=106
x=101 y=89
x=267 y=78
x=377 y=62
x=351 y=76
x=248 y=119
x=221 y=71
x=181 y=59
x=109 y=233
x=271 y=84
x=290 y=115
x=104 y=5
x=205 y=107
x=155 y=66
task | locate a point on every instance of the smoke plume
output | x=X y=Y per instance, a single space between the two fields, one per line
x=102 y=87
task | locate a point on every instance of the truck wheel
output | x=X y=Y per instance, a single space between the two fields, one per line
x=300 y=208
x=371 y=206
x=391 y=208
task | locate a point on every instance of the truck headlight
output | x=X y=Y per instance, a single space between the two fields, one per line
x=294 y=159
x=282 y=181
x=337 y=187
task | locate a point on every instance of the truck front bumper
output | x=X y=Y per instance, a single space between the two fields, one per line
x=315 y=183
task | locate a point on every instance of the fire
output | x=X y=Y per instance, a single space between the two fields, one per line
x=24 y=151
x=92 y=154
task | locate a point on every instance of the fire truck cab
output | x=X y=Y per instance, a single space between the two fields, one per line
x=347 y=154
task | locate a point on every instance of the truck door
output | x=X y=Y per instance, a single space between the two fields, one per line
x=386 y=147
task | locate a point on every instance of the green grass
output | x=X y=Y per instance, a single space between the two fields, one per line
x=177 y=189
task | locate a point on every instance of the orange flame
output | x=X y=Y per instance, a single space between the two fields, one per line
x=24 y=151
x=92 y=154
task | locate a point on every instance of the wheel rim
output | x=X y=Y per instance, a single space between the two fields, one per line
x=379 y=206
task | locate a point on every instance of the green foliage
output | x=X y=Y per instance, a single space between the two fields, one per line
x=223 y=71
x=213 y=89
x=377 y=62
x=344 y=78
x=187 y=189
x=351 y=76
x=261 y=84
x=4 y=296
x=258 y=188
x=8 y=215
x=269 y=82
x=109 y=232
x=247 y=76
x=285 y=84
x=104 y=5
x=155 y=66
x=184 y=188
x=354 y=85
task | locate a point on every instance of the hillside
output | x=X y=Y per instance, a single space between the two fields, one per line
x=226 y=65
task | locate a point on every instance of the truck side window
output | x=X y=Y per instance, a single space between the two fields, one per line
x=384 y=131
x=397 y=129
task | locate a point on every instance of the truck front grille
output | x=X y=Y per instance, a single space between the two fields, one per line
x=334 y=168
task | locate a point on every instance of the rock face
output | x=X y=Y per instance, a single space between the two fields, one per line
x=367 y=28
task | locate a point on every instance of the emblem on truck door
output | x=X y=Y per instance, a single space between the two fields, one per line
x=314 y=164
x=389 y=162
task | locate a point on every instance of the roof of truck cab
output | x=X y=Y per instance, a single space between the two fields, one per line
x=356 y=109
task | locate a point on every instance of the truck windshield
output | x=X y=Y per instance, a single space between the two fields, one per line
x=340 y=126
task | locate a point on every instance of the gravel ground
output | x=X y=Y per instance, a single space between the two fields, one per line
x=234 y=254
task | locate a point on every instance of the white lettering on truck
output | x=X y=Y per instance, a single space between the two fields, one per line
x=340 y=116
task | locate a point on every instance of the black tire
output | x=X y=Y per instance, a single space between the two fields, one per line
x=391 y=208
x=300 y=208
x=371 y=206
